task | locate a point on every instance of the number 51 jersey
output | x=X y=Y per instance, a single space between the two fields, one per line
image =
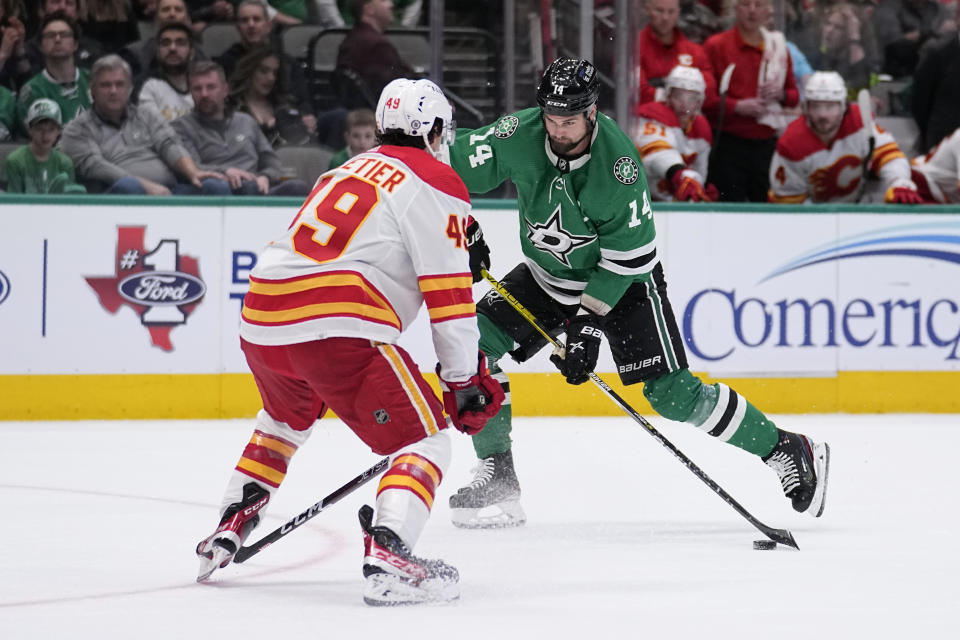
x=376 y=238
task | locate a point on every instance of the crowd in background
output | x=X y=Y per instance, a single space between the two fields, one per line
x=48 y=50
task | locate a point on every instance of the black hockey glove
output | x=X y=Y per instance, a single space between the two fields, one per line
x=479 y=251
x=583 y=348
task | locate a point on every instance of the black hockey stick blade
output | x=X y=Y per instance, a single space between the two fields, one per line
x=245 y=553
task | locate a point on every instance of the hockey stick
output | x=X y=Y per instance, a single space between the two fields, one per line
x=723 y=88
x=249 y=551
x=869 y=126
x=777 y=535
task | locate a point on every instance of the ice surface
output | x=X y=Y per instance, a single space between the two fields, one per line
x=100 y=520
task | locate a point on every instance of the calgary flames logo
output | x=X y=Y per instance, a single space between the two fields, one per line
x=838 y=180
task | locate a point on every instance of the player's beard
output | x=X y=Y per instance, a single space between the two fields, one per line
x=564 y=148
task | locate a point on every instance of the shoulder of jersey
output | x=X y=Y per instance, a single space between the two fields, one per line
x=518 y=125
x=436 y=174
x=660 y=112
x=798 y=141
x=701 y=129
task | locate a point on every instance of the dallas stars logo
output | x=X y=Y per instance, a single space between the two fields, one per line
x=554 y=239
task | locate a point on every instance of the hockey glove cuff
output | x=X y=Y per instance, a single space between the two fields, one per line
x=479 y=251
x=687 y=185
x=471 y=403
x=583 y=348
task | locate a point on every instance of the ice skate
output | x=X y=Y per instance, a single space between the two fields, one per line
x=492 y=499
x=394 y=576
x=802 y=466
x=217 y=550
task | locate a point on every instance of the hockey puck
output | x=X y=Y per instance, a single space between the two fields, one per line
x=764 y=545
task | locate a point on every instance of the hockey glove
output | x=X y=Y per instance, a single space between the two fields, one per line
x=474 y=401
x=903 y=195
x=479 y=251
x=687 y=186
x=583 y=348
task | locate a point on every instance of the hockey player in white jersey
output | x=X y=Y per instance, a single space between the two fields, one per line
x=377 y=238
x=937 y=173
x=673 y=139
x=820 y=157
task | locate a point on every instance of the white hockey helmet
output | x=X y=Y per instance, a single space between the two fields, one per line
x=413 y=106
x=684 y=77
x=827 y=86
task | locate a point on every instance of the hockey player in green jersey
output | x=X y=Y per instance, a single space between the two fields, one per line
x=591 y=269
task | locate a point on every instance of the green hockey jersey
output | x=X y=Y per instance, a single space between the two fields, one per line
x=73 y=97
x=586 y=226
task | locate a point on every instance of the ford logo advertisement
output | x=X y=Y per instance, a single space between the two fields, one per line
x=156 y=288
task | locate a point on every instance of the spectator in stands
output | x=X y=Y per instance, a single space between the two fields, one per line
x=254 y=27
x=145 y=10
x=821 y=157
x=844 y=43
x=407 y=13
x=936 y=91
x=259 y=89
x=61 y=80
x=38 y=167
x=203 y=12
x=167 y=89
x=287 y=12
x=8 y=113
x=673 y=139
x=88 y=49
x=761 y=84
x=128 y=149
x=142 y=54
x=230 y=142
x=14 y=65
x=367 y=54
x=902 y=27
x=360 y=136
x=111 y=22
x=662 y=46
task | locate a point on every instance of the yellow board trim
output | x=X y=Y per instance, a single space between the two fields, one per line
x=234 y=395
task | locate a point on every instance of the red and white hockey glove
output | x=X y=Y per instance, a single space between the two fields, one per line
x=687 y=186
x=903 y=195
x=471 y=403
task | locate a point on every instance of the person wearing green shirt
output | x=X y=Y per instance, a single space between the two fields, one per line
x=61 y=80
x=8 y=114
x=38 y=167
x=591 y=270
x=360 y=135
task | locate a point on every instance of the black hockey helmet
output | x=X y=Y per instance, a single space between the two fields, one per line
x=568 y=87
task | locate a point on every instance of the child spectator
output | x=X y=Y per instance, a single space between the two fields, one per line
x=38 y=167
x=360 y=136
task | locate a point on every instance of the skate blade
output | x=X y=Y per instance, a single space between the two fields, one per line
x=821 y=462
x=502 y=515
x=388 y=590
x=217 y=559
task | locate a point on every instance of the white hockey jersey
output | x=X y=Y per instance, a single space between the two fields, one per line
x=804 y=168
x=663 y=143
x=939 y=171
x=378 y=236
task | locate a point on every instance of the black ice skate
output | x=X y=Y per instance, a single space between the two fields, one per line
x=802 y=466
x=394 y=576
x=240 y=518
x=492 y=499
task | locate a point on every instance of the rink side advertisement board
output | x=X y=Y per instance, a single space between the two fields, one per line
x=128 y=307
